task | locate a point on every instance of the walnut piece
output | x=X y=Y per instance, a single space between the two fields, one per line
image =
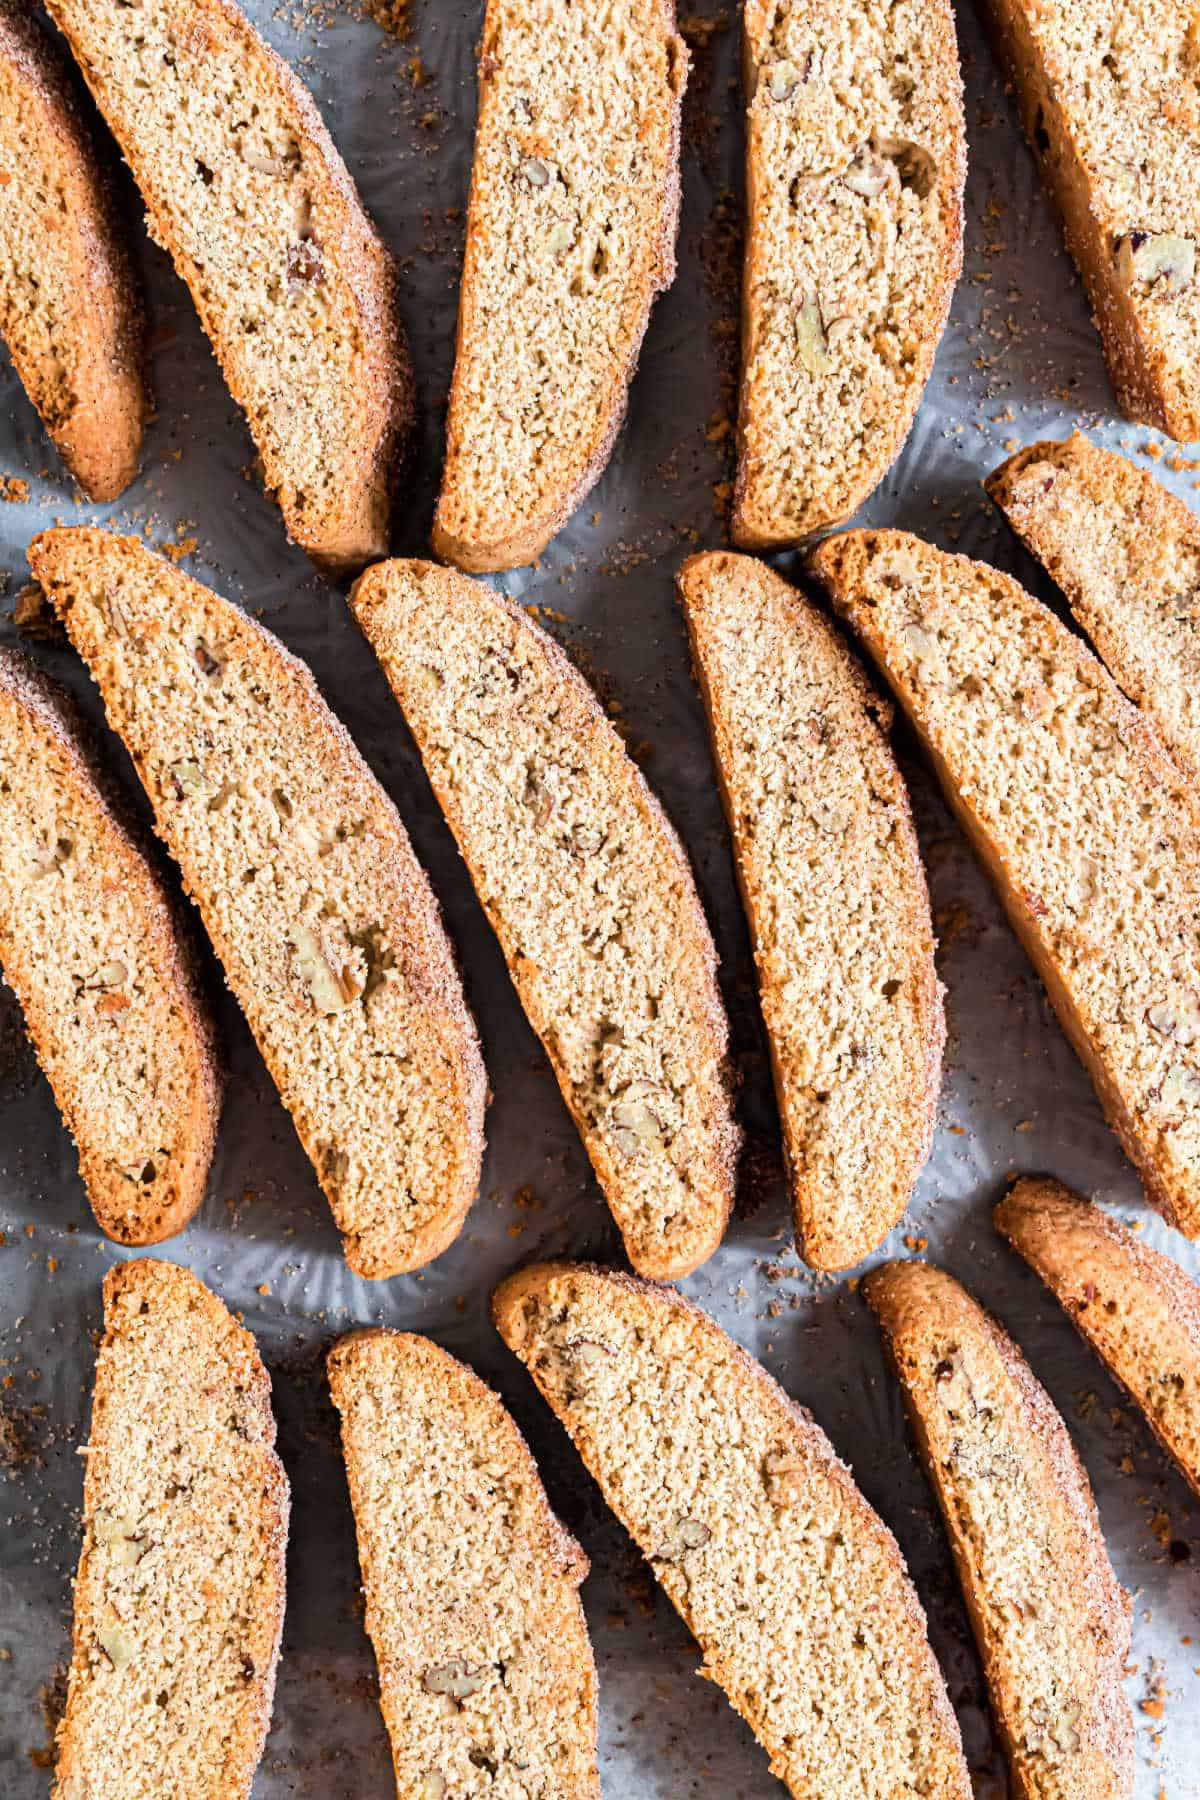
x=1157 y=259
x=811 y=343
x=456 y=1678
x=332 y=983
x=686 y=1536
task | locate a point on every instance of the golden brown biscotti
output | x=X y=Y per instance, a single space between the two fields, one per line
x=588 y=890
x=246 y=192
x=70 y=303
x=1082 y=820
x=471 y=1583
x=180 y=1592
x=1050 y=1618
x=1126 y=554
x=832 y=881
x=1108 y=101
x=855 y=162
x=794 y=1588
x=1139 y=1312
x=303 y=874
x=98 y=955
x=570 y=235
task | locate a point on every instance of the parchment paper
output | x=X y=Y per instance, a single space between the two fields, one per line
x=1021 y=360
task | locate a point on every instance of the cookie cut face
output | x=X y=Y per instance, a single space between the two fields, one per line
x=308 y=887
x=246 y=192
x=487 y=1681
x=570 y=235
x=793 y=1587
x=855 y=162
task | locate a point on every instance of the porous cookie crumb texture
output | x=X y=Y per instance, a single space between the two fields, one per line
x=70 y=306
x=95 y=950
x=246 y=192
x=1109 y=103
x=833 y=885
x=855 y=163
x=308 y=887
x=1083 y=821
x=794 y=1588
x=487 y=1681
x=180 y=1591
x=570 y=235
x=1051 y=1620
x=588 y=889
x=1126 y=553
x=1136 y=1308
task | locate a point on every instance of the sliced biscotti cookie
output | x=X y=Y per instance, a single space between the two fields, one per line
x=1108 y=102
x=855 y=161
x=246 y=192
x=471 y=1583
x=1126 y=553
x=70 y=306
x=1136 y=1308
x=588 y=889
x=1050 y=1618
x=307 y=884
x=1079 y=815
x=794 y=1588
x=570 y=235
x=831 y=876
x=97 y=954
x=180 y=1590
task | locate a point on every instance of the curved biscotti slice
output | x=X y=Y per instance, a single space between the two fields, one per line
x=855 y=162
x=570 y=235
x=588 y=889
x=1126 y=553
x=471 y=1583
x=1083 y=821
x=70 y=307
x=307 y=884
x=96 y=953
x=1107 y=100
x=1136 y=1308
x=833 y=885
x=1050 y=1618
x=245 y=190
x=180 y=1591
x=794 y=1588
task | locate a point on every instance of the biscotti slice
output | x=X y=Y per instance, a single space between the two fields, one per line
x=794 y=1588
x=180 y=1591
x=70 y=307
x=831 y=876
x=1108 y=102
x=307 y=884
x=588 y=890
x=246 y=192
x=1050 y=1618
x=570 y=235
x=471 y=1583
x=1127 y=555
x=1083 y=821
x=855 y=162
x=1139 y=1312
x=95 y=951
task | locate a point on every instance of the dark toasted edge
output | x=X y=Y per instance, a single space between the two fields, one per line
x=179 y=967
x=40 y=64
x=883 y=1289
x=506 y=1308
x=1034 y=1205
x=876 y=722
x=246 y=1755
x=890 y=442
x=369 y=597
x=834 y=565
x=445 y=986
x=526 y=540
x=350 y=534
